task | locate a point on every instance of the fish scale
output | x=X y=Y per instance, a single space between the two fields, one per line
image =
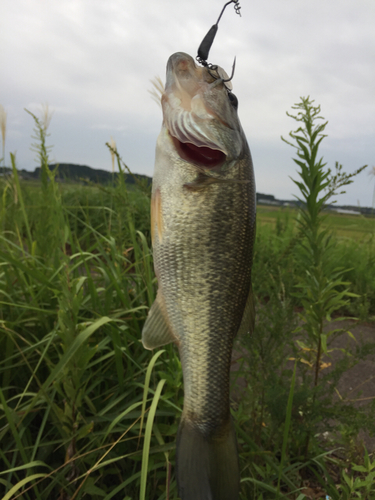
x=203 y=226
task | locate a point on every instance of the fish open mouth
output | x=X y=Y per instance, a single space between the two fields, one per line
x=201 y=156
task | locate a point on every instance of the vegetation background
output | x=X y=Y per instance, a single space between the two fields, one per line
x=86 y=412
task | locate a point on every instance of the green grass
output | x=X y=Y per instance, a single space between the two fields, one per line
x=77 y=385
x=76 y=283
x=85 y=410
x=343 y=226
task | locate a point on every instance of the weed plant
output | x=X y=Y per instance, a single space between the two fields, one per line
x=321 y=286
x=322 y=289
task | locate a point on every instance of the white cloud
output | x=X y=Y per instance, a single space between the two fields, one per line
x=92 y=62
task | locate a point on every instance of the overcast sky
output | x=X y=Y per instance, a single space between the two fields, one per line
x=91 y=61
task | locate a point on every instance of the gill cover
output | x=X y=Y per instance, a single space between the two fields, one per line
x=200 y=114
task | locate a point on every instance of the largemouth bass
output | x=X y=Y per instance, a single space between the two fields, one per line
x=203 y=226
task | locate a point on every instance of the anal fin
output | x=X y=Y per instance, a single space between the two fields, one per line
x=156 y=330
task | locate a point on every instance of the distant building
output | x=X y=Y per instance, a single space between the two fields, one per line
x=346 y=211
x=263 y=201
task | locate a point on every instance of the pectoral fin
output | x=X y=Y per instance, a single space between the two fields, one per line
x=157 y=331
x=248 y=318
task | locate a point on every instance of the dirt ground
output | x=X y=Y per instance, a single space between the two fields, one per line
x=358 y=383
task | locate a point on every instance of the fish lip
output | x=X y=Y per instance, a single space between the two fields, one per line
x=179 y=65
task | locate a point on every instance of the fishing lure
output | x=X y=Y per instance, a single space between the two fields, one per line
x=208 y=40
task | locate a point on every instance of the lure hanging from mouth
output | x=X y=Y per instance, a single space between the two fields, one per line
x=205 y=46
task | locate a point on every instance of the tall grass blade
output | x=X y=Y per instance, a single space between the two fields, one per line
x=147 y=385
x=35 y=463
x=20 y=485
x=20 y=197
x=263 y=486
x=77 y=343
x=287 y=426
x=13 y=428
x=146 y=445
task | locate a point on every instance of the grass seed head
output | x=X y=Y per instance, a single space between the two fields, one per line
x=372 y=173
x=113 y=148
x=3 y=125
x=46 y=116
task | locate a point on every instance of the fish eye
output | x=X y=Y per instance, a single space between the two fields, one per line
x=233 y=100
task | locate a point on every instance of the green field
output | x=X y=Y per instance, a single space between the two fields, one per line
x=343 y=226
x=87 y=412
x=84 y=409
x=92 y=198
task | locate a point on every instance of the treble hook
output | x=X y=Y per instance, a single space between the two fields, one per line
x=208 y=40
x=220 y=80
x=233 y=68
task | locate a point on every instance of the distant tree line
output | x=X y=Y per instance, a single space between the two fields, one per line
x=79 y=173
x=71 y=172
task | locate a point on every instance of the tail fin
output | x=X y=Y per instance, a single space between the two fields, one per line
x=207 y=467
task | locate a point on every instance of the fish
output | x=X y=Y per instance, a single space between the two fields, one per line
x=203 y=211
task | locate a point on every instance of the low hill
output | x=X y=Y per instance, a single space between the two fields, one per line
x=79 y=173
